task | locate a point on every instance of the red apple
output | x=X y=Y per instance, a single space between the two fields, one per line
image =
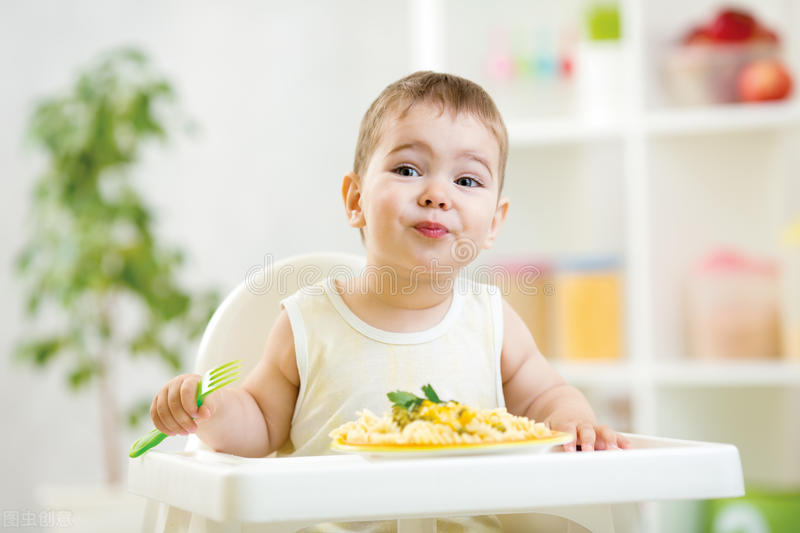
x=764 y=34
x=698 y=35
x=764 y=80
x=732 y=25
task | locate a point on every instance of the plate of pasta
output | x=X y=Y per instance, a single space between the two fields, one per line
x=429 y=426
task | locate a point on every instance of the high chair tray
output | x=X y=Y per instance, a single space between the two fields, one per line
x=352 y=487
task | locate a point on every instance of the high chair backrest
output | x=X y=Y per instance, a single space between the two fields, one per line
x=239 y=327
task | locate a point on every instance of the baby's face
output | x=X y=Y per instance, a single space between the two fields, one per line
x=429 y=195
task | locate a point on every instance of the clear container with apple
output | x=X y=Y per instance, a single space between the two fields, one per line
x=733 y=307
x=732 y=58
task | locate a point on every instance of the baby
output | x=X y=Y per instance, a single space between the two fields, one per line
x=425 y=193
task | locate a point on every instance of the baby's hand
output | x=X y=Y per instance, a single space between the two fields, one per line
x=174 y=408
x=591 y=436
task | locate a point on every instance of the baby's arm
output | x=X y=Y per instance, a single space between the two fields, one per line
x=534 y=389
x=251 y=421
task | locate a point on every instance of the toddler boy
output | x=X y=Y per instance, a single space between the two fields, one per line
x=425 y=193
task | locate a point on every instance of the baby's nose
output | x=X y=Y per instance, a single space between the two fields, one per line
x=429 y=202
x=434 y=196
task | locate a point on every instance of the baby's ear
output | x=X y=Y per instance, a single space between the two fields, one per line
x=497 y=222
x=351 y=194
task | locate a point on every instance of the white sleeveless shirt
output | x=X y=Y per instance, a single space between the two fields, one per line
x=346 y=365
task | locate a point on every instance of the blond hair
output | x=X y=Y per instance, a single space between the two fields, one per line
x=452 y=93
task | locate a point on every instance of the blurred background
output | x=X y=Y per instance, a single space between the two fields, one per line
x=652 y=176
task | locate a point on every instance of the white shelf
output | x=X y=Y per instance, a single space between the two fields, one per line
x=727 y=374
x=666 y=122
x=595 y=374
x=722 y=119
x=752 y=373
x=555 y=131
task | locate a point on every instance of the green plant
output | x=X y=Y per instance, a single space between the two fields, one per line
x=92 y=263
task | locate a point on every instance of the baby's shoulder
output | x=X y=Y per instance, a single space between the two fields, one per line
x=308 y=292
x=312 y=301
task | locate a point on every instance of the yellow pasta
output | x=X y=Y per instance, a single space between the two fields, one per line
x=428 y=422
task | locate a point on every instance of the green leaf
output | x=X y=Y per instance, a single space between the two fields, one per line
x=133 y=55
x=171 y=357
x=81 y=375
x=404 y=399
x=408 y=400
x=202 y=309
x=138 y=412
x=430 y=393
x=39 y=352
x=32 y=303
x=173 y=304
x=145 y=342
x=24 y=260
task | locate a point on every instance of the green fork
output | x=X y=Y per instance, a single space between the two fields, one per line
x=214 y=379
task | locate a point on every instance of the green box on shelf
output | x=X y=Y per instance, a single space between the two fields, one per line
x=603 y=21
x=758 y=511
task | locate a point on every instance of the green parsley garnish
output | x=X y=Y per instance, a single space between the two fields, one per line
x=408 y=401
x=403 y=399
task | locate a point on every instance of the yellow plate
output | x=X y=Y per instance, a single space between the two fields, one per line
x=421 y=450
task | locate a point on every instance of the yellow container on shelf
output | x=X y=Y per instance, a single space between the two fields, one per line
x=589 y=309
x=527 y=286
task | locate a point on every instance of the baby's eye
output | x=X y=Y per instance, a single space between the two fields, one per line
x=405 y=170
x=466 y=181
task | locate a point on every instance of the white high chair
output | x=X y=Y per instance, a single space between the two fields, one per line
x=199 y=490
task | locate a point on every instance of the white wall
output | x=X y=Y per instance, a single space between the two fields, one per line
x=278 y=89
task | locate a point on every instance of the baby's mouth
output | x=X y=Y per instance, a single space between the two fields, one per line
x=432 y=230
